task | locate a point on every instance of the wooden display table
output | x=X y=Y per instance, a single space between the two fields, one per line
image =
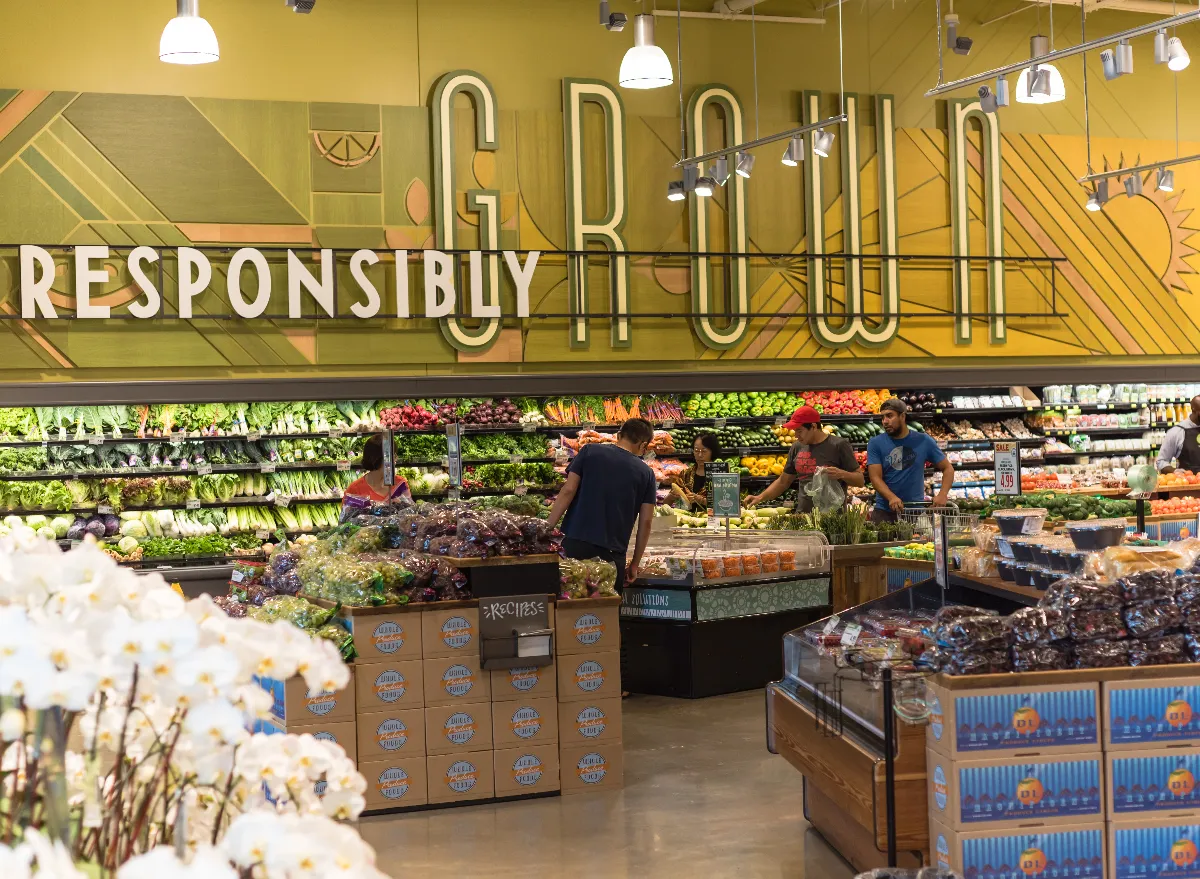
x=859 y=574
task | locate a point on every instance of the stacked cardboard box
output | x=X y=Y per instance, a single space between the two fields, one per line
x=1016 y=781
x=297 y=709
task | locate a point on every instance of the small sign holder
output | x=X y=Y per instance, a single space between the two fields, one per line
x=454 y=453
x=389 y=459
x=514 y=632
x=941 y=553
x=1007 y=462
x=727 y=496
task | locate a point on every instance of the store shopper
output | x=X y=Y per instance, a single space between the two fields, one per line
x=896 y=464
x=608 y=488
x=1181 y=446
x=813 y=451
x=691 y=486
x=369 y=488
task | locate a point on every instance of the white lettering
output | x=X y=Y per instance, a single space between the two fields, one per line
x=85 y=276
x=522 y=277
x=153 y=302
x=371 y=307
x=478 y=309
x=35 y=292
x=299 y=277
x=189 y=286
x=439 y=279
x=402 y=283
x=234 y=282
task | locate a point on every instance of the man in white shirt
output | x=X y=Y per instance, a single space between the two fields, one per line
x=1182 y=444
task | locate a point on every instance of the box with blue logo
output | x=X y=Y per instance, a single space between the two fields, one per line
x=295 y=705
x=1068 y=850
x=1152 y=714
x=1153 y=782
x=1162 y=849
x=989 y=723
x=1035 y=792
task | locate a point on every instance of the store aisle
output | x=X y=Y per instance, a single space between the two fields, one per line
x=702 y=797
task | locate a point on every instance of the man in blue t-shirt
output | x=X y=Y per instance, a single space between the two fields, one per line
x=896 y=464
x=608 y=488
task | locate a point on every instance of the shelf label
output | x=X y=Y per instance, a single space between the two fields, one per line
x=192 y=503
x=204 y=469
x=266 y=468
x=528 y=427
x=254 y=436
x=237 y=577
x=832 y=623
x=62 y=434
x=282 y=500
x=780 y=421
x=95 y=441
x=1007 y=460
x=588 y=425
x=45 y=444
x=850 y=634
x=262 y=535
x=668 y=423
x=336 y=433
x=343 y=466
x=104 y=509
x=719 y=423
x=521 y=490
x=516 y=459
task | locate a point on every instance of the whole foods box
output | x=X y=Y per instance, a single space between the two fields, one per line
x=393 y=734
x=588 y=625
x=1160 y=849
x=591 y=720
x=598 y=766
x=456 y=728
x=530 y=682
x=527 y=722
x=294 y=704
x=1066 y=850
x=453 y=679
x=1157 y=781
x=1152 y=714
x=450 y=631
x=532 y=769
x=337 y=732
x=396 y=783
x=379 y=637
x=970 y=794
x=993 y=722
x=589 y=676
x=461 y=777
x=387 y=686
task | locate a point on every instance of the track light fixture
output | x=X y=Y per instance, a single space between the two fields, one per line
x=302 y=6
x=822 y=143
x=1160 y=47
x=645 y=65
x=188 y=38
x=675 y=191
x=1133 y=185
x=794 y=154
x=1098 y=197
x=1124 y=59
x=745 y=164
x=955 y=43
x=1166 y=180
x=1108 y=62
x=705 y=186
x=1177 y=56
x=1040 y=83
x=721 y=170
x=1093 y=203
x=612 y=21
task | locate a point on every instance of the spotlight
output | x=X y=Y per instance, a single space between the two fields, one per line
x=1097 y=199
x=721 y=170
x=1177 y=56
x=822 y=142
x=987 y=100
x=1133 y=184
x=1040 y=83
x=302 y=6
x=1166 y=180
x=794 y=154
x=1108 y=62
x=1002 y=95
x=614 y=21
x=675 y=191
x=705 y=186
x=1093 y=203
x=1160 y=47
x=959 y=45
x=645 y=65
x=745 y=164
x=1124 y=58
x=188 y=38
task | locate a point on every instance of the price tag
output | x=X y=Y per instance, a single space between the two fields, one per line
x=850 y=635
x=588 y=425
x=204 y=469
x=521 y=490
x=668 y=423
x=343 y=466
x=336 y=433
x=832 y=623
x=95 y=441
x=104 y=509
x=254 y=436
x=719 y=423
x=528 y=427
x=1007 y=462
x=282 y=500
x=62 y=434
x=175 y=438
x=516 y=459
x=780 y=421
x=192 y=503
x=266 y=468
x=262 y=535
x=237 y=577
x=45 y=444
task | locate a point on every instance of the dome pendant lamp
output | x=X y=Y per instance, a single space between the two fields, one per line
x=188 y=38
x=645 y=65
x=1047 y=86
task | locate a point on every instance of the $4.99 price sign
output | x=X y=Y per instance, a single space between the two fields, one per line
x=1008 y=467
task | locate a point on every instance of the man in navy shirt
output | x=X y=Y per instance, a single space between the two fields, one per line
x=608 y=488
x=896 y=464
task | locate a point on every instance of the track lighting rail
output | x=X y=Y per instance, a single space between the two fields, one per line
x=762 y=141
x=1139 y=169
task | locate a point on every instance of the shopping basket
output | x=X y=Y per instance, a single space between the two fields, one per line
x=959 y=525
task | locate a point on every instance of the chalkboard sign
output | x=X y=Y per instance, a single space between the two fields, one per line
x=514 y=631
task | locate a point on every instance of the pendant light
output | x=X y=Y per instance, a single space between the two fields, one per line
x=1040 y=83
x=188 y=38
x=1177 y=56
x=645 y=65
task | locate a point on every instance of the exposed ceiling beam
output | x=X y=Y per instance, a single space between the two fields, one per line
x=718 y=16
x=1149 y=7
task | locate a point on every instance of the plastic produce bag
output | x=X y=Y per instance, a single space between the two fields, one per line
x=230 y=605
x=976 y=634
x=1089 y=625
x=1100 y=654
x=826 y=492
x=1157 y=585
x=1150 y=619
x=984 y=662
x=1037 y=626
x=1163 y=651
x=1085 y=595
x=1040 y=658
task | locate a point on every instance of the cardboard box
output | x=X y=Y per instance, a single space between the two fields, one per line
x=450 y=632
x=296 y=705
x=391 y=734
x=1152 y=849
x=1152 y=783
x=589 y=721
x=455 y=679
x=461 y=777
x=599 y=766
x=1010 y=721
x=1008 y=793
x=589 y=676
x=529 y=770
x=395 y=784
x=456 y=729
x=1154 y=714
x=531 y=682
x=525 y=723
x=1017 y=854
x=386 y=637
x=388 y=686
x=587 y=626
x=338 y=732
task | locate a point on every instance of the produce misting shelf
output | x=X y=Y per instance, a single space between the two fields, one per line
x=203 y=505
x=133 y=472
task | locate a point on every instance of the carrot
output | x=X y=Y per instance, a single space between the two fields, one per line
x=636 y=411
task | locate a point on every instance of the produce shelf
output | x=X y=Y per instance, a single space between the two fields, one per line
x=204 y=505
x=133 y=472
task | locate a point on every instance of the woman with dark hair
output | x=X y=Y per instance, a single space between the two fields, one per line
x=370 y=487
x=690 y=486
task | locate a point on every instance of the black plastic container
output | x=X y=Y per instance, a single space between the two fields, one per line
x=1096 y=534
x=1059 y=561
x=1041 y=554
x=1023 y=574
x=1023 y=551
x=1005 y=568
x=1076 y=562
x=1043 y=577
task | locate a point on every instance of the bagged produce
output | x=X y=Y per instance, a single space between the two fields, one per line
x=230 y=605
x=1168 y=650
x=1087 y=595
x=1100 y=654
x=1089 y=625
x=974 y=634
x=978 y=663
x=1040 y=657
x=1150 y=619
x=1153 y=585
x=297 y=611
x=1037 y=626
x=592 y=578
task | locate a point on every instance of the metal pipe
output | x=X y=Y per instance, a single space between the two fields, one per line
x=762 y=141
x=772 y=19
x=1137 y=169
x=187 y=8
x=1059 y=54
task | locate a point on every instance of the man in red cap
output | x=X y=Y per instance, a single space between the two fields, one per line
x=814 y=449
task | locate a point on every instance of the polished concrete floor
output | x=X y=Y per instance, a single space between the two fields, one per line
x=702 y=798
